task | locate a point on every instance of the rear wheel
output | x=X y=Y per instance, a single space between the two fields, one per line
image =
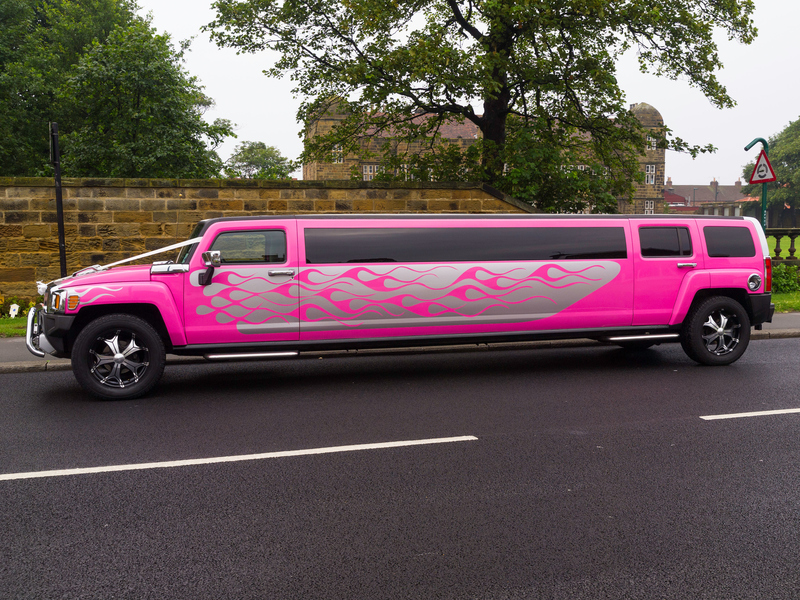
x=118 y=357
x=716 y=331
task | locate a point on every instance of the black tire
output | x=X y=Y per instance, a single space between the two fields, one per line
x=118 y=357
x=716 y=331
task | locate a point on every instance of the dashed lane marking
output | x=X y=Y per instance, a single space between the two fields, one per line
x=239 y=458
x=762 y=413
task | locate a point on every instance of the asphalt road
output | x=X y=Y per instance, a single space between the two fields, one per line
x=592 y=475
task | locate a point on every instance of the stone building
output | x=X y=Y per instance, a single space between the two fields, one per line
x=344 y=165
x=647 y=199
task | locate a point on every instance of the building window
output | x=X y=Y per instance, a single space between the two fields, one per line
x=652 y=143
x=405 y=172
x=370 y=171
x=650 y=174
x=338 y=154
x=649 y=207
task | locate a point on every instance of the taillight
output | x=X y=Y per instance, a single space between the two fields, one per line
x=768 y=274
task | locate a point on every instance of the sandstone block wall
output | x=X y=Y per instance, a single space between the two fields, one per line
x=111 y=219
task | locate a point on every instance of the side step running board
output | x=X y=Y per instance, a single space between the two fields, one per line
x=631 y=338
x=245 y=355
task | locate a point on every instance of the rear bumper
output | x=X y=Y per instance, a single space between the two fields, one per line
x=762 y=307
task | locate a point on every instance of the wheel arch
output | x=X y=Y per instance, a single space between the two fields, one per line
x=147 y=312
x=738 y=294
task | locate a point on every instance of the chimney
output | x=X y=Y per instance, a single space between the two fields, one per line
x=738 y=184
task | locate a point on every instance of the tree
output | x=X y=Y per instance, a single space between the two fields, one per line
x=784 y=156
x=40 y=40
x=124 y=105
x=528 y=73
x=137 y=112
x=256 y=160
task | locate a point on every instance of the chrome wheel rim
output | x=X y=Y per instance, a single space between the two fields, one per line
x=721 y=332
x=119 y=359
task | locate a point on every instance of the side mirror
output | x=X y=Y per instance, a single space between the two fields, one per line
x=212 y=258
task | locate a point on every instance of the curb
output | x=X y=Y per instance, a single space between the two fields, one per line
x=64 y=365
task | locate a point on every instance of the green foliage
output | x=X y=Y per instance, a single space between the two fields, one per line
x=56 y=64
x=140 y=112
x=256 y=160
x=534 y=77
x=24 y=304
x=784 y=156
x=39 y=42
x=784 y=278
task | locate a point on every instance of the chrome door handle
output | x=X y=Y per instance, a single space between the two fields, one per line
x=280 y=272
x=690 y=265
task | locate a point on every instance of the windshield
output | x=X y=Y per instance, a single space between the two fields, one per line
x=186 y=252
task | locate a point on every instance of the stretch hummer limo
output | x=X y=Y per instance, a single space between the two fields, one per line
x=261 y=287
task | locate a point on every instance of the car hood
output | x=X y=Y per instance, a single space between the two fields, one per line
x=115 y=275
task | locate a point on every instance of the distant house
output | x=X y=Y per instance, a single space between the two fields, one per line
x=711 y=199
x=693 y=195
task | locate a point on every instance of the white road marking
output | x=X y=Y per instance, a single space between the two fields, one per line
x=224 y=459
x=762 y=413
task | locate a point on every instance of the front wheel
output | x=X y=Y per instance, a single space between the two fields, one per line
x=118 y=357
x=716 y=331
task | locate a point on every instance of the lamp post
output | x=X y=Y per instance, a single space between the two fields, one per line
x=55 y=159
x=694 y=190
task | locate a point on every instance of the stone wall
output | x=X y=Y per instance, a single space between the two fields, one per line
x=111 y=219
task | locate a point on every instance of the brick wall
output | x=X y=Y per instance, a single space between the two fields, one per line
x=111 y=219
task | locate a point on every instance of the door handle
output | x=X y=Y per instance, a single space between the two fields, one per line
x=281 y=272
x=690 y=265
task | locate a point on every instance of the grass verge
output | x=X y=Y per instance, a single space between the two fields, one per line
x=13 y=327
x=787 y=302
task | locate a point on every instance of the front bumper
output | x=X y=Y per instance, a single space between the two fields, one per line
x=46 y=333
x=32 y=333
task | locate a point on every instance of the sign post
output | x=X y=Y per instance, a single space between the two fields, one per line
x=763 y=174
x=55 y=158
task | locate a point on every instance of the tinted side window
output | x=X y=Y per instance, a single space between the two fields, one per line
x=665 y=241
x=729 y=241
x=251 y=247
x=463 y=244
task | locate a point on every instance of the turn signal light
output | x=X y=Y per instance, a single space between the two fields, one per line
x=72 y=302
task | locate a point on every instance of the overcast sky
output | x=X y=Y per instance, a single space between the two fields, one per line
x=763 y=78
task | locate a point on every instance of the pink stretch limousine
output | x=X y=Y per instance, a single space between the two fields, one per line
x=253 y=287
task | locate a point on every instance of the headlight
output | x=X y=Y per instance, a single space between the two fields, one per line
x=56 y=303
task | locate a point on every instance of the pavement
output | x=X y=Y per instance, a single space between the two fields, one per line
x=15 y=358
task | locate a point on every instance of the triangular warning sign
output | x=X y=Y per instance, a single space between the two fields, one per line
x=763 y=172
